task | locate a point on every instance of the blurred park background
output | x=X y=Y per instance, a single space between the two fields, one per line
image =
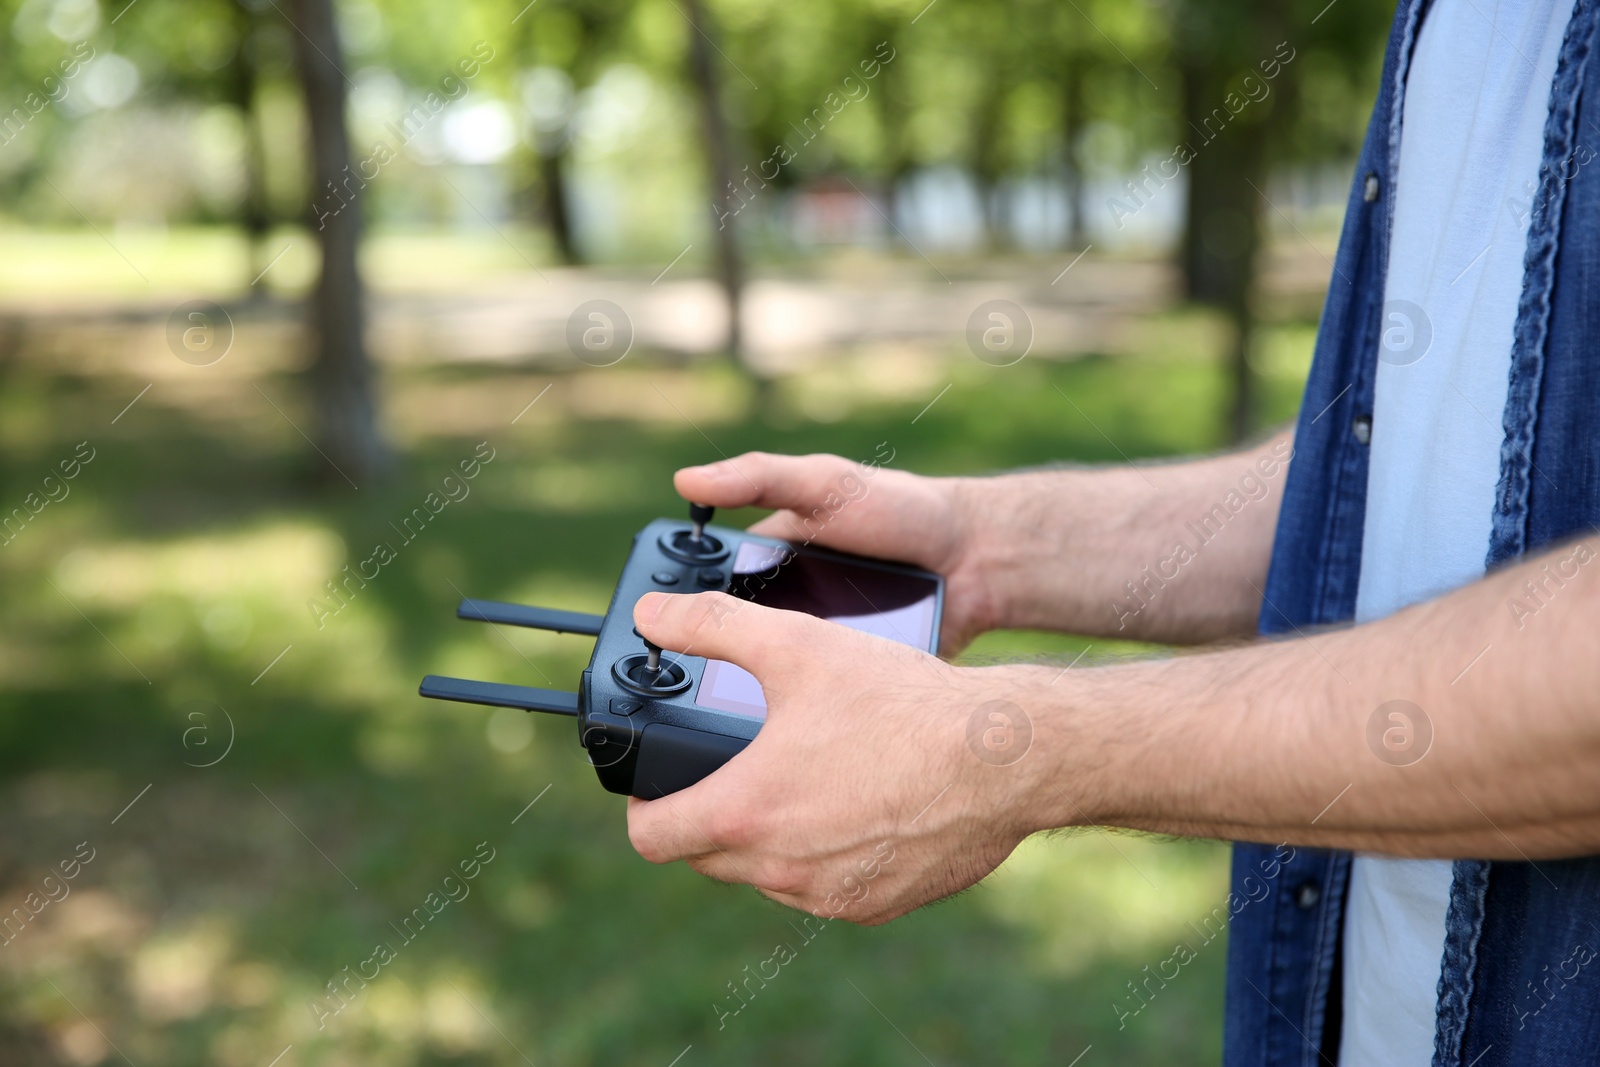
x=270 y=270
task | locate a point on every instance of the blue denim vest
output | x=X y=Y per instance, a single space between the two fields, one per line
x=1513 y=989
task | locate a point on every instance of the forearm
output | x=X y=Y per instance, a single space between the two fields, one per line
x=1173 y=553
x=1275 y=742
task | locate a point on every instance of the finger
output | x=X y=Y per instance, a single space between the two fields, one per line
x=776 y=879
x=720 y=867
x=763 y=480
x=787 y=525
x=718 y=626
x=700 y=821
x=662 y=832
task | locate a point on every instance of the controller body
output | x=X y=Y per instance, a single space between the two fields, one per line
x=654 y=725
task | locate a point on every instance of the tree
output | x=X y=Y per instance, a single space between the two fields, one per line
x=554 y=205
x=548 y=99
x=341 y=375
x=719 y=164
x=243 y=84
x=1073 y=114
x=1220 y=44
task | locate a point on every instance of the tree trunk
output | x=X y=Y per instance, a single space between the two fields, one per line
x=341 y=375
x=986 y=168
x=719 y=163
x=894 y=118
x=255 y=216
x=556 y=210
x=1222 y=227
x=551 y=142
x=1222 y=230
x=1072 y=115
x=1226 y=182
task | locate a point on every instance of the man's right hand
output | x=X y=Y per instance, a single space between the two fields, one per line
x=870 y=511
x=1167 y=552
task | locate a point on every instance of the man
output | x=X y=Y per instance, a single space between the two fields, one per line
x=1445 y=466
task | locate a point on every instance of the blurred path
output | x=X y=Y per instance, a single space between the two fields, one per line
x=1095 y=306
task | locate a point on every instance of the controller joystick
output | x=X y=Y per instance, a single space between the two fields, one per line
x=695 y=545
x=700 y=514
x=647 y=675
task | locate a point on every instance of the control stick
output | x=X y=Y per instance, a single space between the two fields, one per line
x=652 y=660
x=700 y=514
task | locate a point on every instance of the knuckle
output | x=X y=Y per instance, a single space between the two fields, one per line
x=731 y=828
x=829 y=465
x=781 y=876
x=643 y=842
x=752 y=469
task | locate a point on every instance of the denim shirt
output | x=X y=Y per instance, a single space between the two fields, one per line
x=1520 y=982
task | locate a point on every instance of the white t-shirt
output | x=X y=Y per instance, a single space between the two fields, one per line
x=1472 y=140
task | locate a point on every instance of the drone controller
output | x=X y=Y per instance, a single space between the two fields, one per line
x=655 y=722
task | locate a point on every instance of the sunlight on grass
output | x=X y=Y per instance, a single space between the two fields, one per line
x=261 y=565
x=1084 y=897
x=223 y=902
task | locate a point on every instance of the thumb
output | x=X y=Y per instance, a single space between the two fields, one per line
x=718 y=626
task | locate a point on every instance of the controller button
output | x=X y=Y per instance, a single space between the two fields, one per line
x=711 y=577
x=664 y=578
x=625 y=707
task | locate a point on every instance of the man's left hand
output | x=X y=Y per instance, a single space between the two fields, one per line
x=864 y=796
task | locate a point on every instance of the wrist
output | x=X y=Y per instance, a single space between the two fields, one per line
x=974 y=511
x=1028 y=750
x=1033 y=544
x=1083 y=766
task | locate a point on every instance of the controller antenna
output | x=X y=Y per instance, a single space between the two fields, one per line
x=700 y=514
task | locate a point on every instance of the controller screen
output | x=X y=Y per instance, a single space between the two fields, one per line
x=882 y=602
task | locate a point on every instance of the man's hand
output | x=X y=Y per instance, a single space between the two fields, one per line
x=871 y=511
x=1173 y=553
x=861 y=797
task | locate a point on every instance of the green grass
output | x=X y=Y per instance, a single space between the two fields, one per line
x=181 y=565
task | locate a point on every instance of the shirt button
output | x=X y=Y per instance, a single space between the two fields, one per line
x=1370 y=192
x=1306 y=897
x=1362 y=428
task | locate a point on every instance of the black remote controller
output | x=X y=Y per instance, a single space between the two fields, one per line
x=655 y=722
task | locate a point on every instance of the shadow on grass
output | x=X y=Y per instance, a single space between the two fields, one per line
x=222 y=902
